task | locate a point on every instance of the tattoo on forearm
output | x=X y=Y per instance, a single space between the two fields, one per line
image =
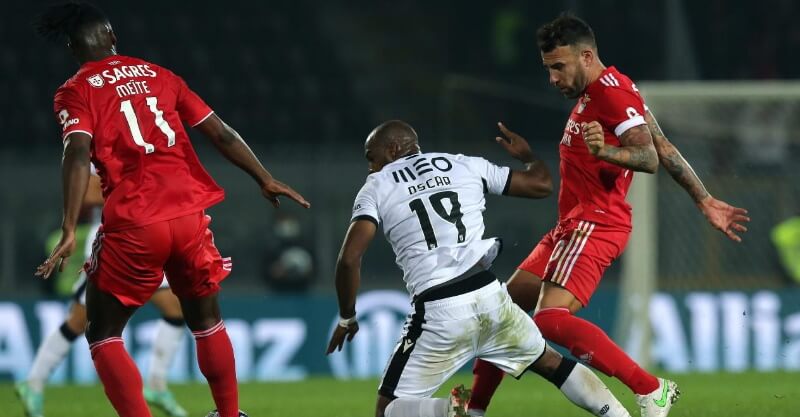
x=637 y=158
x=683 y=174
x=672 y=160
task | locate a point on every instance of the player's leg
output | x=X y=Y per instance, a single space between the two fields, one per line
x=514 y=344
x=579 y=384
x=125 y=269
x=107 y=317
x=431 y=349
x=570 y=281
x=52 y=351
x=523 y=287
x=214 y=351
x=194 y=271
x=168 y=339
x=555 y=317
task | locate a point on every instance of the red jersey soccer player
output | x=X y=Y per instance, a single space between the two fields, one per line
x=128 y=115
x=609 y=135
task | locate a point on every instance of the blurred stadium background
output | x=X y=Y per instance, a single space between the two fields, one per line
x=304 y=82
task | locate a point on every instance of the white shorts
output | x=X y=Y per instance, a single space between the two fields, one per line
x=442 y=336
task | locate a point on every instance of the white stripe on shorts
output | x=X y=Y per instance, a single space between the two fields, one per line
x=577 y=254
x=569 y=254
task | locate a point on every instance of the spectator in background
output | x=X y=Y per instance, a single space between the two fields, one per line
x=289 y=262
x=786 y=238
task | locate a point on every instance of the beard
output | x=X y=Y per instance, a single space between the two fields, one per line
x=577 y=88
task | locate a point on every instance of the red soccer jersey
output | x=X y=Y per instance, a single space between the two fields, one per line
x=134 y=111
x=592 y=189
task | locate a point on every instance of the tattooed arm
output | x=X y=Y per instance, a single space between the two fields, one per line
x=720 y=214
x=672 y=160
x=636 y=153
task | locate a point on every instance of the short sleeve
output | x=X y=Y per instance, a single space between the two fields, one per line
x=365 y=206
x=496 y=179
x=192 y=109
x=621 y=110
x=72 y=112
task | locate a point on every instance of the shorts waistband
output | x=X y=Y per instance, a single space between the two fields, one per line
x=456 y=287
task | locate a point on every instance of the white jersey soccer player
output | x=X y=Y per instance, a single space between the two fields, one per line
x=430 y=206
x=431 y=209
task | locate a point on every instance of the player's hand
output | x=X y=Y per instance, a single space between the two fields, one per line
x=274 y=189
x=724 y=217
x=341 y=333
x=59 y=256
x=514 y=144
x=593 y=137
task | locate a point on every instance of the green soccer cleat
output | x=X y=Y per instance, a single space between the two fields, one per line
x=459 y=398
x=659 y=402
x=165 y=401
x=32 y=401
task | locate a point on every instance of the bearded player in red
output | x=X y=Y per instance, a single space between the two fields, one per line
x=127 y=116
x=609 y=135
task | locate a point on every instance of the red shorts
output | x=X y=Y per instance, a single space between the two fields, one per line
x=575 y=254
x=130 y=264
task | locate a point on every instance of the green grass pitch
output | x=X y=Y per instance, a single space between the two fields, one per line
x=706 y=395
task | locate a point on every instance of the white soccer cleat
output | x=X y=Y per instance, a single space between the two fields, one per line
x=658 y=402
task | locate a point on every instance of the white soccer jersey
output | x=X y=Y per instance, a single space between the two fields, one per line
x=430 y=206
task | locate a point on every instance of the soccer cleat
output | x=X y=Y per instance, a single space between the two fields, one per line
x=215 y=413
x=32 y=401
x=165 y=401
x=658 y=402
x=459 y=398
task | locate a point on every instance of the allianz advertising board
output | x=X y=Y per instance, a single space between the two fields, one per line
x=284 y=338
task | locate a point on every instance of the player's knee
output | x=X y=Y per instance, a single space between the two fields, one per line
x=547 y=364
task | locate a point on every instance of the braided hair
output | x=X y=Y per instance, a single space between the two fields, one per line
x=68 y=20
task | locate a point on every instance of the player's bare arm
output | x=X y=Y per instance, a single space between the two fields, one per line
x=637 y=152
x=348 y=278
x=75 y=177
x=235 y=149
x=724 y=217
x=535 y=180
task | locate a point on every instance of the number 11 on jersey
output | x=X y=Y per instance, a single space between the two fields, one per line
x=133 y=123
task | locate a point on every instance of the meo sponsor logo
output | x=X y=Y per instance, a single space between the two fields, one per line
x=65 y=121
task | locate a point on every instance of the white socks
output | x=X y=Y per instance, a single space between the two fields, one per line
x=587 y=391
x=166 y=342
x=417 y=407
x=50 y=354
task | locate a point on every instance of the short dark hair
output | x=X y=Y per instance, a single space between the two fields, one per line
x=565 y=30
x=68 y=20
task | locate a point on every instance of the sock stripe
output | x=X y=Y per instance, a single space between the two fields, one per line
x=94 y=346
x=205 y=333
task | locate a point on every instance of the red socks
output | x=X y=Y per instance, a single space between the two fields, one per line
x=486 y=378
x=120 y=377
x=215 y=357
x=591 y=345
